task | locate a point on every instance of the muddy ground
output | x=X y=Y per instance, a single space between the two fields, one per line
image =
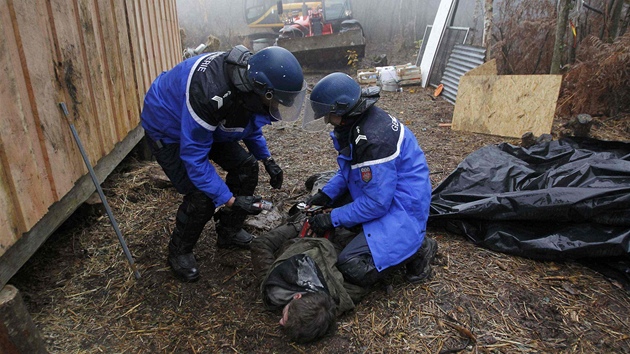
x=84 y=298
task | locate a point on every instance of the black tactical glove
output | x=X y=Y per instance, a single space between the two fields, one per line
x=246 y=204
x=274 y=171
x=320 y=198
x=321 y=223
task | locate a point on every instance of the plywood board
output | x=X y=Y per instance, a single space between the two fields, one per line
x=508 y=106
x=487 y=68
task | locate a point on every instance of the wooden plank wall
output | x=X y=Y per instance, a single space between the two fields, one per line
x=97 y=56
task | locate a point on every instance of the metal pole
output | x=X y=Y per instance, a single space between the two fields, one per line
x=100 y=191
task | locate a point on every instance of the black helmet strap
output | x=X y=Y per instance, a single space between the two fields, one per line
x=238 y=58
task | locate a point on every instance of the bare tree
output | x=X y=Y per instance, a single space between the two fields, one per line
x=626 y=22
x=615 y=19
x=561 y=29
x=487 y=28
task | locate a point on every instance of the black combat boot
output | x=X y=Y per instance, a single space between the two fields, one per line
x=229 y=227
x=193 y=214
x=181 y=258
x=418 y=267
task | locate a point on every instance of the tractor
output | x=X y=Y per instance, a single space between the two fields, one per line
x=318 y=33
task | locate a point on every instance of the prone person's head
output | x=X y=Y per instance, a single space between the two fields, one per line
x=309 y=316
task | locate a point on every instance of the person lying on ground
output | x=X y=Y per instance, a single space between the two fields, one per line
x=298 y=276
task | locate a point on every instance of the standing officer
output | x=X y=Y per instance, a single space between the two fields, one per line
x=200 y=111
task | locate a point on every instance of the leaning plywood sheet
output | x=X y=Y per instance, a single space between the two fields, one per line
x=487 y=68
x=509 y=105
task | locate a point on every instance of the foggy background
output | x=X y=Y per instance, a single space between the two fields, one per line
x=398 y=24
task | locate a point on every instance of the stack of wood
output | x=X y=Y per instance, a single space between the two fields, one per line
x=401 y=75
x=369 y=76
x=408 y=74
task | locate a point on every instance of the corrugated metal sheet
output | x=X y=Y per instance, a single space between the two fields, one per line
x=462 y=59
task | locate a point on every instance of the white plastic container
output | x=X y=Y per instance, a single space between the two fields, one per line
x=390 y=86
x=388 y=79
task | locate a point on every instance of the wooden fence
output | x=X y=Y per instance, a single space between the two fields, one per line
x=99 y=58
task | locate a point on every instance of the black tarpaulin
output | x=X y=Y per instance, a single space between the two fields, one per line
x=565 y=199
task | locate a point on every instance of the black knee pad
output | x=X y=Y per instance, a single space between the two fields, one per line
x=197 y=205
x=192 y=216
x=229 y=217
x=360 y=270
x=243 y=179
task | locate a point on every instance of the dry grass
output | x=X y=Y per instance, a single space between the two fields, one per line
x=84 y=298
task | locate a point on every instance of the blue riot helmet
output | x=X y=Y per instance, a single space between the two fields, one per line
x=276 y=75
x=339 y=94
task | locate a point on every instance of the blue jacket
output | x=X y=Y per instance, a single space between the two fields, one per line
x=387 y=176
x=195 y=104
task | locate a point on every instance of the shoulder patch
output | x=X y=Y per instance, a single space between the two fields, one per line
x=366 y=174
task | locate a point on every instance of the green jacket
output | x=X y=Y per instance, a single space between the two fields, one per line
x=281 y=243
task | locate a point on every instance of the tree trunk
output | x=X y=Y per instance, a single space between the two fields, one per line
x=571 y=54
x=487 y=29
x=561 y=30
x=615 y=18
x=18 y=333
x=626 y=22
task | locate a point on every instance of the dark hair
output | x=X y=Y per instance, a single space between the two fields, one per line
x=310 y=317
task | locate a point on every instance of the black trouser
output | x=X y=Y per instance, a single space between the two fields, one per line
x=197 y=208
x=356 y=263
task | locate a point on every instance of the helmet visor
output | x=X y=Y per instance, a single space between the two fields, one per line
x=287 y=105
x=314 y=115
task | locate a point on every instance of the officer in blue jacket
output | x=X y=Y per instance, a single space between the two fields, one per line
x=385 y=172
x=198 y=112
